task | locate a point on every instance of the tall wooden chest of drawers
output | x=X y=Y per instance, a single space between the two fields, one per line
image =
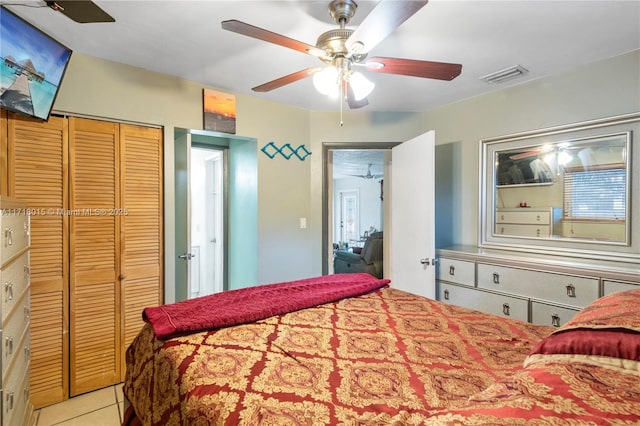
x=15 y=343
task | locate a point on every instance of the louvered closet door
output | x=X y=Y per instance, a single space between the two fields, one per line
x=141 y=220
x=94 y=255
x=38 y=176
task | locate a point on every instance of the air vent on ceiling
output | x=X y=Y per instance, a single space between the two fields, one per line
x=505 y=74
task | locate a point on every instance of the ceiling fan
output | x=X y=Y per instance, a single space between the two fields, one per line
x=344 y=49
x=81 y=11
x=369 y=175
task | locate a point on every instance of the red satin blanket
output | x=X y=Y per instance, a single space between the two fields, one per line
x=245 y=305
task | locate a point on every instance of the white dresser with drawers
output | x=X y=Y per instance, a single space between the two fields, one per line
x=540 y=289
x=16 y=408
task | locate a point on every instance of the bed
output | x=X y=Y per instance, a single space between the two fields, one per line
x=349 y=349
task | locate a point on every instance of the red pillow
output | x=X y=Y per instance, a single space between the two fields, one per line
x=611 y=343
x=617 y=310
x=609 y=327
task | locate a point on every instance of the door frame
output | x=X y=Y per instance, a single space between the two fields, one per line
x=214 y=146
x=209 y=140
x=327 y=186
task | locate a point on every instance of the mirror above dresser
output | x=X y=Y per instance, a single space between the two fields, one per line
x=565 y=190
x=559 y=223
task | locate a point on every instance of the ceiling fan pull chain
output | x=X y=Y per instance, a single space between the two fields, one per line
x=341 y=101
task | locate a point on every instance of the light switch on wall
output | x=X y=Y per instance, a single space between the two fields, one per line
x=303 y=222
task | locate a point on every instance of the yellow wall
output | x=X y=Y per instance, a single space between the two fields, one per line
x=291 y=189
x=287 y=190
x=602 y=89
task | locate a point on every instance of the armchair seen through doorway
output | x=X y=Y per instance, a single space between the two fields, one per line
x=369 y=258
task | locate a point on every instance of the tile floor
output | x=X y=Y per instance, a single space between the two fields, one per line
x=103 y=407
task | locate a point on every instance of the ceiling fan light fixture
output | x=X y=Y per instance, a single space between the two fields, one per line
x=361 y=85
x=327 y=81
x=343 y=48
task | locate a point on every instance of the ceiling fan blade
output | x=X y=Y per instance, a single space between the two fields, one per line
x=411 y=67
x=271 y=37
x=382 y=21
x=351 y=100
x=287 y=79
x=527 y=154
x=81 y=11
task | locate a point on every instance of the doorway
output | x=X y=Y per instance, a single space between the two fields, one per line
x=239 y=208
x=409 y=245
x=351 y=190
x=206 y=186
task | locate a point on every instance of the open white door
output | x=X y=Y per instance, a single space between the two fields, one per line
x=413 y=216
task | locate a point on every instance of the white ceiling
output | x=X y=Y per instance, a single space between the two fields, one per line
x=184 y=38
x=349 y=163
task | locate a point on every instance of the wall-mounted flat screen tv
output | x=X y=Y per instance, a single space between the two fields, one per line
x=32 y=67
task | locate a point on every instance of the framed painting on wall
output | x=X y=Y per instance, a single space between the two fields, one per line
x=219 y=111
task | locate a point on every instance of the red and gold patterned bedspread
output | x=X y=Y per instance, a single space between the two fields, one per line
x=553 y=393
x=586 y=373
x=387 y=357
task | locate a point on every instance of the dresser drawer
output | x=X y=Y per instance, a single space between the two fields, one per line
x=457 y=271
x=547 y=314
x=16 y=353
x=485 y=301
x=564 y=289
x=15 y=398
x=13 y=327
x=14 y=235
x=524 y=217
x=458 y=295
x=523 y=230
x=14 y=281
x=610 y=286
